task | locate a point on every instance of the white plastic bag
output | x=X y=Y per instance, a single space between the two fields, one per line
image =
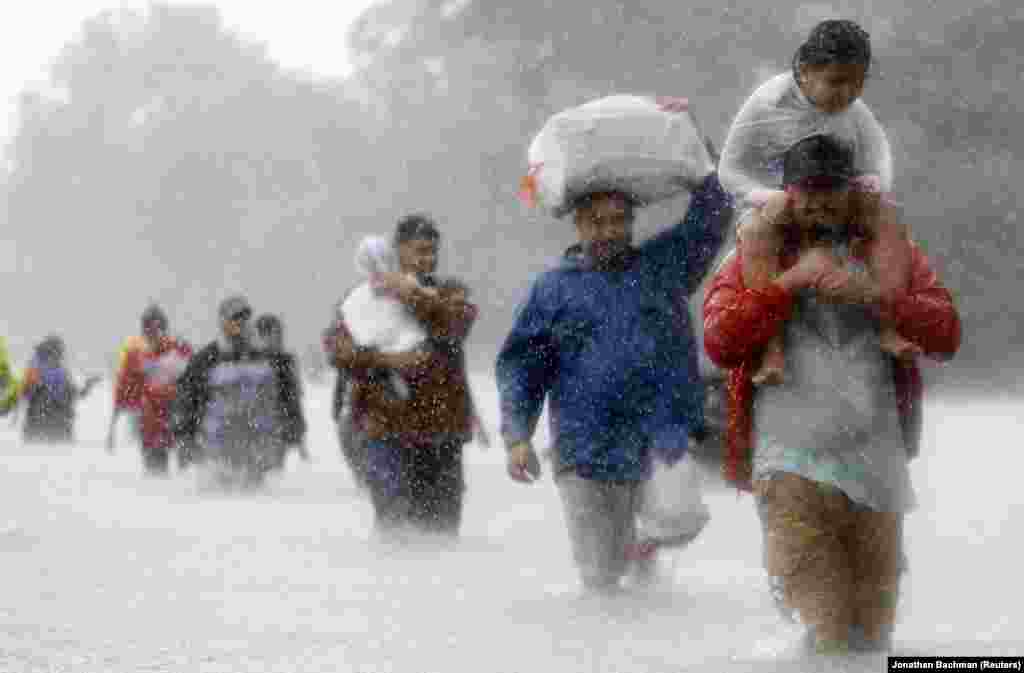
x=672 y=511
x=631 y=144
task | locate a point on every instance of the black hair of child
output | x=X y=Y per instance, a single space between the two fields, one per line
x=834 y=42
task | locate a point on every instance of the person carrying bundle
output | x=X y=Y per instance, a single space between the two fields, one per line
x=605 y=337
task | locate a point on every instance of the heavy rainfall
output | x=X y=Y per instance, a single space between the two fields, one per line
x=613 y=336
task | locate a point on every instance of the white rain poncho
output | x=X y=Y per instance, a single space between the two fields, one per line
x=836 y=419
x=377 y=319
x=629 y=144
x=777 y=115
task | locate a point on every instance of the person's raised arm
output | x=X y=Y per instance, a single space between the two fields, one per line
x=683 y=254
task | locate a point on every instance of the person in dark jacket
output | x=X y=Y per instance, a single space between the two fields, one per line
x=605 y=338
x=270 y=332
x=414 y=444
x=51 y=395
x=236 y=404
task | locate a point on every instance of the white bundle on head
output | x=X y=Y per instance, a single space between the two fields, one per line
x=630 y=144
x=375 y=254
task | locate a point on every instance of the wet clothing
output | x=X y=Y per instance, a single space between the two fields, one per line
x=738 y=322
x=413 y=445
x=777 y=115
x=147 y=381
x=613 y=352
x=836 y=563
x=289 y=361
x=51 y=395
x=128 y=397
x=419 y=484
x=835 y=420
x=238 y=405
x=9 y=383
x=826 y=452
x=439 y=402
x=351 y=438
x=601 y=517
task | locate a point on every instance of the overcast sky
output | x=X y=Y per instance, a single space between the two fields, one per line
x=300 y=34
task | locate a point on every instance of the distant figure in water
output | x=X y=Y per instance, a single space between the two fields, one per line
x=8 y=382
x=146 y=383
x=270 y=335
x=51 y=394
x=236 y=403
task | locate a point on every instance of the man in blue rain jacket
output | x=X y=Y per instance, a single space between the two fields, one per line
x=606 y=338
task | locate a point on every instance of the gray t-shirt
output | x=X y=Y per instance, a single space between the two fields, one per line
x=835 y=420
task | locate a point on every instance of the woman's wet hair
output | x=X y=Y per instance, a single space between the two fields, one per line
x=834 y=42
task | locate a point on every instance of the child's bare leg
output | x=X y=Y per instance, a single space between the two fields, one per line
x=761 y=247
x=888 y=260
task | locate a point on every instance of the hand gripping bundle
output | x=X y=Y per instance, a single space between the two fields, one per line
x=650 y=149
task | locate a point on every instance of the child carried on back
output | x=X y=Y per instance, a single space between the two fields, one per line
x=820 y=96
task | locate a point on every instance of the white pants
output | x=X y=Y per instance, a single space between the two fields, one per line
x=601 y=518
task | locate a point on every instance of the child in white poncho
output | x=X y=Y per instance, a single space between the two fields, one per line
x=820 y=96
x=374 y=317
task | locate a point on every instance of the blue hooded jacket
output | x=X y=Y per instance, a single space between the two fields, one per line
x=614 y=351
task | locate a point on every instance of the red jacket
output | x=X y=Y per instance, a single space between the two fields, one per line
x=150 y=376
x=738 y=323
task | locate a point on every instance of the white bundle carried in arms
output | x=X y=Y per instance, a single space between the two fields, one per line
x=645 y=147
x=373 y=317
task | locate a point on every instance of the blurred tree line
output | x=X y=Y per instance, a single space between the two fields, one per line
x=172 y=160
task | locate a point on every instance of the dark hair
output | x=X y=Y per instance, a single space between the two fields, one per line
x=267 y=324
x=51 y=348
x=819 y=156
x=586 y=200
x=834 y=42
x=154 y=313
x=416 y=226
